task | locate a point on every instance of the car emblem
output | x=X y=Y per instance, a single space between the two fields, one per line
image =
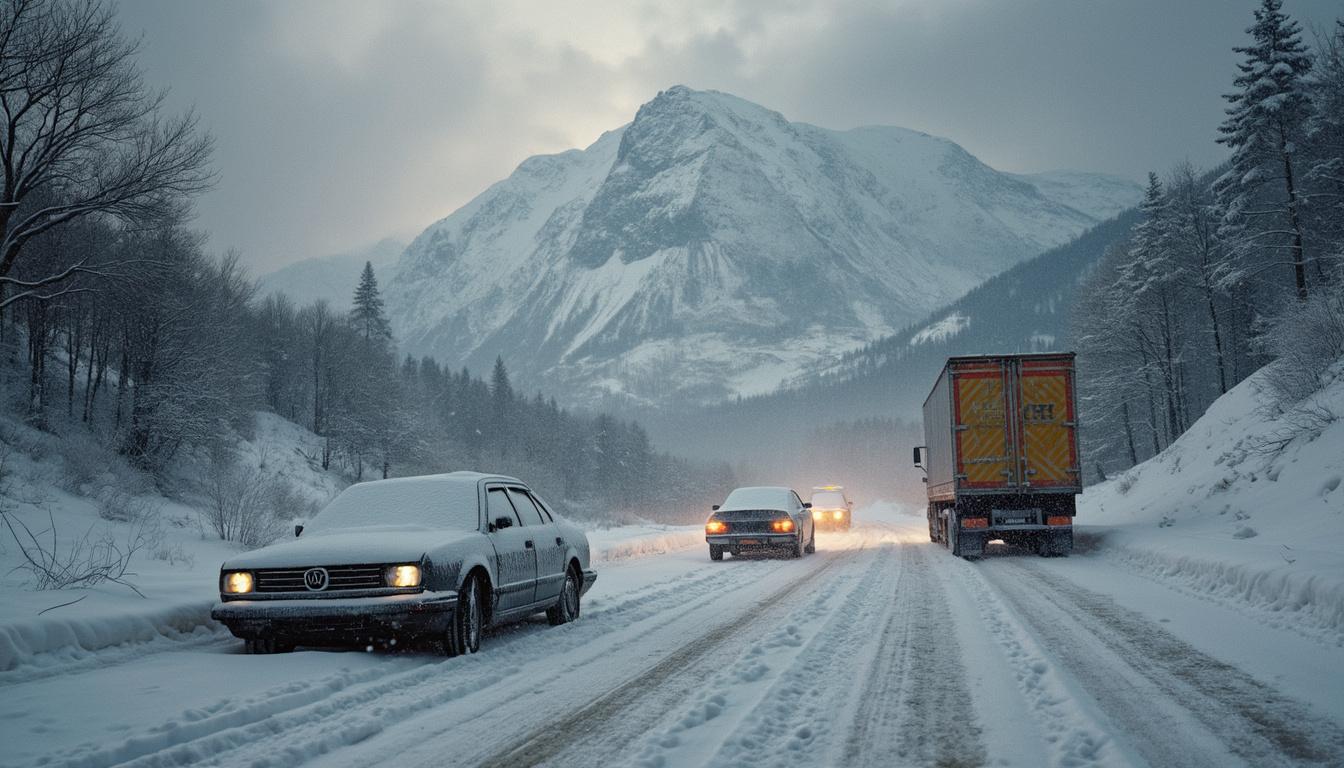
x=315 y=579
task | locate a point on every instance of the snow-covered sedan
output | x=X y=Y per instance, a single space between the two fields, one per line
x=437 y=557
x=761 y=518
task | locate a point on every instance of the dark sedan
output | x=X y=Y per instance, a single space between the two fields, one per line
x=761 y=518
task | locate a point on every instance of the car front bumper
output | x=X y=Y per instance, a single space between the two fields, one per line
x=318 y=621
x=750 y=540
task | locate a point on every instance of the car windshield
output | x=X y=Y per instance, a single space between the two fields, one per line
x=828 y=499
x=417 y=501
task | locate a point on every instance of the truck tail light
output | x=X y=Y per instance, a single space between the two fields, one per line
x=974 y=522
x=1059 y=520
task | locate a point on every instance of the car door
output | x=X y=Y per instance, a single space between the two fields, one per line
x=515 y=552
x=549 y=544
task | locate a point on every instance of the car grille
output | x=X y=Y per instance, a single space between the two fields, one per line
x=339 y=578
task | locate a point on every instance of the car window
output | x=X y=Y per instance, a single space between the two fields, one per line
x=498 y=504
x=828 y=499
x=541 y=504
x=797 y=502
x=526 y=509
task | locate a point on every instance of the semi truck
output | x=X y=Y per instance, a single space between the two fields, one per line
x=1001 y=453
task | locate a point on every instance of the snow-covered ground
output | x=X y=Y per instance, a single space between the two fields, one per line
x=1172 y=636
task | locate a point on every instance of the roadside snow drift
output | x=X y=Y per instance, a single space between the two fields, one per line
x=1247 y=506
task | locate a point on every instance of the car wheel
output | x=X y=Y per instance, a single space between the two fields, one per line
x=464 y=632
x=715 y=552
x=567 y=606
x=797 y=549
x=812 y=542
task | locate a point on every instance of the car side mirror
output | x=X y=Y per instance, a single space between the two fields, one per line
x=715 y=508
x=807 y=505
x=921 y=453
x=298 y=529
x=503 y=522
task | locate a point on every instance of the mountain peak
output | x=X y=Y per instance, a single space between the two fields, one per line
x=713 y=238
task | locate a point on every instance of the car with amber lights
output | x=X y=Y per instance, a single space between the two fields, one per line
x=831 y=508
x=762 y=518
x=435 y=558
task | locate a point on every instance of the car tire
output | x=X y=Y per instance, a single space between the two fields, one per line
x=797 y=550
x=566 y=607
x=468 y=622
x=812 y=542
x=715 y=552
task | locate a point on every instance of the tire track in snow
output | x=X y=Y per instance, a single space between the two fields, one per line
x=609 y=715
x=915 y=707
x=1149 y=679
x=297 y=720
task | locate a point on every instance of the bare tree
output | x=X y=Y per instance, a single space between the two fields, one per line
x=81 y=135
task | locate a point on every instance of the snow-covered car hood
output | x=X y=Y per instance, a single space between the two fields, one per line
x=350 y=546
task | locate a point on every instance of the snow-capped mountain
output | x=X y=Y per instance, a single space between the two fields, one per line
x=712 y=248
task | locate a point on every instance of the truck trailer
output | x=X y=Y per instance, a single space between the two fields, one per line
x=1001 y=453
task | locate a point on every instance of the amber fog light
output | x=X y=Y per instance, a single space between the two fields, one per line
x=402 y=576
x=237 y=583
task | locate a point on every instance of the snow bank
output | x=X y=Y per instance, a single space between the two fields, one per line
x=1245 y=509
x=58 y=639
x=630 y=541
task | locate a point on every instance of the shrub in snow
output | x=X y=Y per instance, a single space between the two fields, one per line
x=1307 y=339
x=245 y=503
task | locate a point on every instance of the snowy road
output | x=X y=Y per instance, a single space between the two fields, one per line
x=879 y=650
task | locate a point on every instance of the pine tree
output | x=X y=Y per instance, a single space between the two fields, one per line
x=1264 y=128
x=501 y=401
x=1325 y=149
x=368 y=315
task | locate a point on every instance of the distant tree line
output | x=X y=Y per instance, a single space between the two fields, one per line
x=1227 y=270
x=113 y=316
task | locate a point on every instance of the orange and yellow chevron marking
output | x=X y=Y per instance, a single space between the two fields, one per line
x=1047 y=439
x=984 y=441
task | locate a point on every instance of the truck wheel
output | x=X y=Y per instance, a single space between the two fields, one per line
x=715 y=552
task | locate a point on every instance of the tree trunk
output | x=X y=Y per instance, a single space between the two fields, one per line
x=1299 y=258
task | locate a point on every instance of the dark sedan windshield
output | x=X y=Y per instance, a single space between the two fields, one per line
x=419 y=501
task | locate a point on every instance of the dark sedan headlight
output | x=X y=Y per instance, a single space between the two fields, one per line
x=236 y=582
x=402 y=576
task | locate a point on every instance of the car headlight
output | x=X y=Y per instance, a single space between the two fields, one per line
x=716 y=526
x=237 y=582
x=402 y=576
x=839 y=514
x=817 y=514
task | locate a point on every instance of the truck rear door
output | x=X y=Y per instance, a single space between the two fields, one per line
x=983 y=440
x=1047 y=424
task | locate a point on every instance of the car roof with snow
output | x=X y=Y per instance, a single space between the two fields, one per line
x=433 y=501
x=759 y=497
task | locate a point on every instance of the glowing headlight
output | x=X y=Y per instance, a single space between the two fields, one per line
x=402 y=576
x=817 y=514
x=716 y=526
x=839 y=514
x=237 y=583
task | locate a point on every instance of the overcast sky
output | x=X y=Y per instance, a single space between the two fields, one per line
x=339 y=123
